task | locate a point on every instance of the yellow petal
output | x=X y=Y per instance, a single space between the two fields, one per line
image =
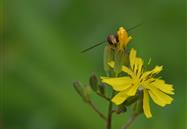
x=159 y=97
x=138 y=66
x=123 y=38
x=128 y=71
x=120 y=98
x=119 y=83
x=111 y=64
x=129 y=38
x=132 y=57
x=161 y=85
x=146 y=106
x=155 y=70
x=156 y=99
x=133 y=89
x=124 y=68
x=104 y=77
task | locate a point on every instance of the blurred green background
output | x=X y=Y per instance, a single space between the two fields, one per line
x=42 y=58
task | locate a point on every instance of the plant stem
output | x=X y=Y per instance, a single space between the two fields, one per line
x=130 y=120
x=103 y=96
x=109 y=118
x=97 y=111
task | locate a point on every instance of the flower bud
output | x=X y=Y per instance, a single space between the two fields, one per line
x=82 y=91
x=93 y=82
x=121 y=108
x=131 y=100
x=108 y=57
x=102 y=88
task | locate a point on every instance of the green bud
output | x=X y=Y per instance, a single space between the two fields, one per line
x=78 y=88
x=131 y=100
x=87 y=93
x=82 y=91
x=93 y=82
x=118 y=62
x=120 y=58
x=102 y=88
x=108 y=56
x=121 y=108
x=126 y=59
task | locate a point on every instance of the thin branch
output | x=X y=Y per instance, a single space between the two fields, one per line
x=103 y=96
x=109 y=118
x=117 y=111
x=130 y=120
x=97 y=111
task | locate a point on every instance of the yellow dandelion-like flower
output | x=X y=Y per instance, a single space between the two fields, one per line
x=138 y=79
x=123 y=38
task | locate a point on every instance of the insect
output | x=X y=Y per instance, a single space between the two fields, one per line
x=112 y=39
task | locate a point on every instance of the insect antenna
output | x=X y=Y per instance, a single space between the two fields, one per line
x=98 y=44
x=134 y=27
x=85 y=50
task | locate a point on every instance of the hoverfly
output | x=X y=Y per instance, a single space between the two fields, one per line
x=112 y=39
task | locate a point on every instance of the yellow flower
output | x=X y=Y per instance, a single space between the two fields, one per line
x=123 y=38
x=138 y=79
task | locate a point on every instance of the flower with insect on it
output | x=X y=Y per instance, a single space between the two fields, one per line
x=140 y=80
x=123 y=38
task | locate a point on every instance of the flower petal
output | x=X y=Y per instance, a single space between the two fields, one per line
x=111 y=64
x=119 y=83
x=132 y=57
x=123 y=38
x=146 y=106
x=159 y=97
x=161 y=85
x=133 y=89
x=138 y=66
x=124 y=68
x=155 y=70
x=120 y=98
x=129 y=38
x=128 y=71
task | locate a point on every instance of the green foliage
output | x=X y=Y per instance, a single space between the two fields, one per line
x=43 y=42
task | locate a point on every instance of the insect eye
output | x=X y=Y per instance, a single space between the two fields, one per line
x=112 y=39
x=109 y=39
x=116 y=37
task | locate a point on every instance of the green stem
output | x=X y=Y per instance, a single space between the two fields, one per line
x=109 y=118
x=97 y=111
x=130 y=120
x=103 y=96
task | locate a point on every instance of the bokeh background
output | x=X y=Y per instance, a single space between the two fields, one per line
x=42 y=58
